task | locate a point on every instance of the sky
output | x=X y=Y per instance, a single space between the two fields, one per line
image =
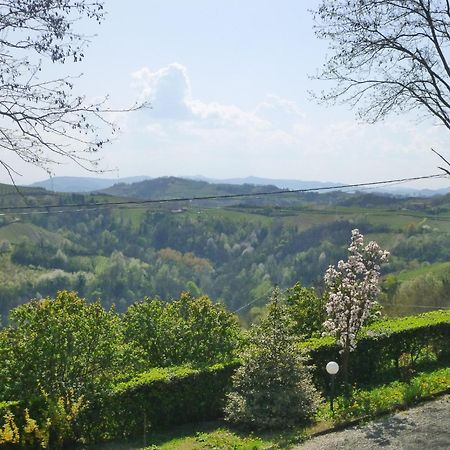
x=229 y=82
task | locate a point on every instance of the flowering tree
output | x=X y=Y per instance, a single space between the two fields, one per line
x=353 y=287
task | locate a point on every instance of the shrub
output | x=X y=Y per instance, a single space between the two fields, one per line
x=192 y=331
x=307 y=310
x=164 y=397
x=382 y=399
x=272 y=388
x=57 y=353
x=56 y=345
x=52 y=430
x=381 y=349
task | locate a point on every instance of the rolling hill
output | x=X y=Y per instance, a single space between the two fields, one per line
x=173 y=187
x=89 y=184
x=234 y=252
x=83 y=184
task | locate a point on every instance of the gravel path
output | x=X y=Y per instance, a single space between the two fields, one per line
x=425 y=427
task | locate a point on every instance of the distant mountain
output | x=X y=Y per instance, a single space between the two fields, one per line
x=174 y=187
x=258 y=181
x=411 y=192
x=83 y=184
x=299 y=184
x=91 y=184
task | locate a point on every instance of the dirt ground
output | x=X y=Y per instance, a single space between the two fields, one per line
x=425 y=427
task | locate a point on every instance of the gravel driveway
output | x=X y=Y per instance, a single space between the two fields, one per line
x=425 y=427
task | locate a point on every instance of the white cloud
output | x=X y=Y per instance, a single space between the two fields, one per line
x=168 y=90
x=279 y=111
x=183 y=134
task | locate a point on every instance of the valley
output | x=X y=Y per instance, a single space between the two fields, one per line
x=233 y=250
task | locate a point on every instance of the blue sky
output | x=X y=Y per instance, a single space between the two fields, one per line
x=228 y=81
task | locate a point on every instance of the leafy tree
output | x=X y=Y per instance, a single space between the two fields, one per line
x=56 y=346
x=59 y=356
x=185 y=331
x=306 y=309
x=387 y=55
x=146 y=332
x=272 y=388
x=430 y=286
x=122 y=277
x=352 y=290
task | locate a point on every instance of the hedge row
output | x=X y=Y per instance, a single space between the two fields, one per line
x=164 y=397
x=161 y=398
x=387 y=350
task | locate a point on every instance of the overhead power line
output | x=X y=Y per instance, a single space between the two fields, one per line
x=90 y=206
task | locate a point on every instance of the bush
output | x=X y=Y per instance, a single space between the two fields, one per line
x=21 y=430
x=162 y=397
x=58 y=356
x=384 y=346
x=307 y=310
x=192 y=331
x=272 y=388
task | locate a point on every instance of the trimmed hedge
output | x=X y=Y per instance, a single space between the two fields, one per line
x=161 y=398
x=386 y=348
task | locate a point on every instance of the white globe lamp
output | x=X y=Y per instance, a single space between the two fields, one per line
x=332 y=368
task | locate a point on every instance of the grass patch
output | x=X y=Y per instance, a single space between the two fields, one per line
x=374 y=402
x=18 y=231
x=437 y=269
x=217 y=436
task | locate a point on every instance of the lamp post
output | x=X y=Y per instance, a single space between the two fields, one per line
x=332 y=368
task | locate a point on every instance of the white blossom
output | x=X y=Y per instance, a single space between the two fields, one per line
x=353 y=288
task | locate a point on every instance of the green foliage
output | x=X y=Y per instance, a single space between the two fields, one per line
x=225 y=440
x=431 y=247
x=370 y=403
x=307 y=310
x=272 y=388
x=382 y=347
x=236 y=254
x=56 y=356
x=60 y=344
x=52 y=429
x=189 y=330
x=432 y=285
x=63 y=361
x=161 y=398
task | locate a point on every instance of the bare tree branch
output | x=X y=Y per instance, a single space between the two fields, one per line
x=387 y=56
x=41 y=120
x=443 y=159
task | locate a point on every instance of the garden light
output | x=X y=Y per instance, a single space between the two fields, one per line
x=332 y=368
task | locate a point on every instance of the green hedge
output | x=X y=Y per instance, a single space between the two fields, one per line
x=387 y=349
x=161 y=398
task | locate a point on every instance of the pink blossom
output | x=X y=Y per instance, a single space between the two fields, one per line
x=353 y=288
